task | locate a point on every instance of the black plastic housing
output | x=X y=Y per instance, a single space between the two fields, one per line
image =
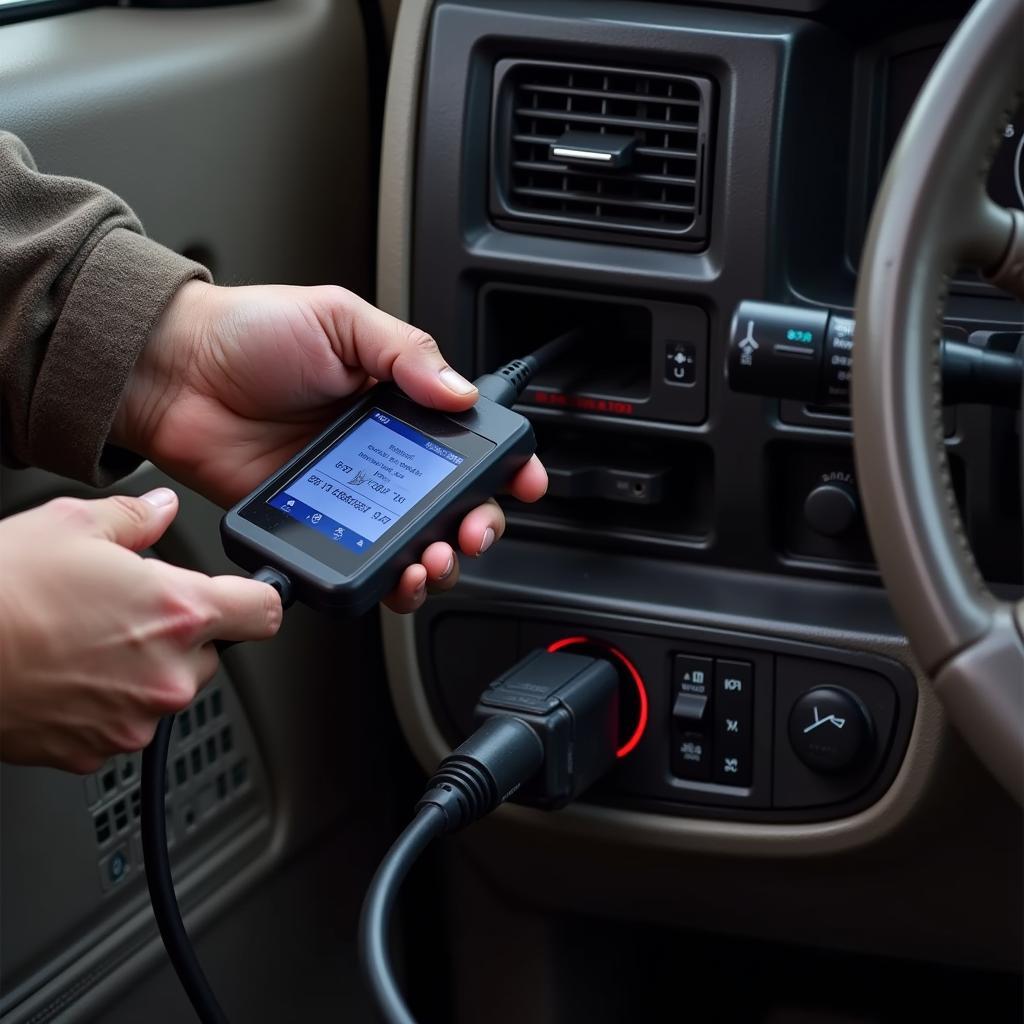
x=572 y=704
x=495 y=442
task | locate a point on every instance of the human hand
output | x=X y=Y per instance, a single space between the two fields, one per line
x=98 y=643
x=234 y=381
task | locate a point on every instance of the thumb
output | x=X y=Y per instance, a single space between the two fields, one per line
x=389 y=349
x=134 y=523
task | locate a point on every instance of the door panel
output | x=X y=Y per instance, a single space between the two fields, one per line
x=239 y=135
x=238 y=131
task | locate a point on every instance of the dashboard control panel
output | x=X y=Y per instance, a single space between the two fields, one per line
x=712 y=719
x=676 y=430
x=728 y=725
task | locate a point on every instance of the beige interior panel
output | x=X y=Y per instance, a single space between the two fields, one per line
x=235 y=132
x=239 y=134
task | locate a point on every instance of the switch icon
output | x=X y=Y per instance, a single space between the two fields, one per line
x=734 y=709
x=680 y=362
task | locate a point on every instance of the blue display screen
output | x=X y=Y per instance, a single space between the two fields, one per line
x=361 y=486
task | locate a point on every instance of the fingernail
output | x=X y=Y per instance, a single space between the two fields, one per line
x=487 y=541
x=420 y=592
x=456 y=382
x=448 y=568
x=160 y=497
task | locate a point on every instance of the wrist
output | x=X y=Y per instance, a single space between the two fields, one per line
x=158 y=373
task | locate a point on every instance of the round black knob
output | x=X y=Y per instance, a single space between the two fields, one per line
x=830 y=729
x=832 y=509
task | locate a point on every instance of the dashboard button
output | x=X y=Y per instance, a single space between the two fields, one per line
x=734 y=721
x=832 y=508
x=734 y=687
x=689 y=707
x=691 y=674
x=732 y=764
x=691 y=729
x=680 y=362
x=830 y=729
x=691 y=755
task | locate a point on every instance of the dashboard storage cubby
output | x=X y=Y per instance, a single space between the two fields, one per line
x=622 y=489
x=637 y=358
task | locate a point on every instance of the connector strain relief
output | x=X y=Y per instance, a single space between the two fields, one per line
x=484 y=771
x=517 y=373
x=504 y=386
x=462 y=790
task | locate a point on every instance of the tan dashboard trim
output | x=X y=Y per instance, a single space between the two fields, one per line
x=397 y=158
x=630 y=829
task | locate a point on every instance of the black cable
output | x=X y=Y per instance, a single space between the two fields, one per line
x=555 y=348
x=504 y=386
x=161 y=884
x=468 y=784
x=548 y=728
x=159 y=880
x=378 y=907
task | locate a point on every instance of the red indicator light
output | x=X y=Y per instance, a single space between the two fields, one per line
x=604 y=406
x=634 y=674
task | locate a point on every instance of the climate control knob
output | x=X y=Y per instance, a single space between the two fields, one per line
x=830 y=729
x=832 y=508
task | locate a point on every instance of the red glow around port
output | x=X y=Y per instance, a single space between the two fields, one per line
x=641 y=690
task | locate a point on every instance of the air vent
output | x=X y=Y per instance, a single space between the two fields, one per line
x=596 y=151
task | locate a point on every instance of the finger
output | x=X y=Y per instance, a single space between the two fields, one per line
x=481 y=528
x=195 y=668
x=243 y=609
x=531 y=482
x=134 y=523
x=442 y=567
x=389 y=349
x=411 y=591
x=205 y=662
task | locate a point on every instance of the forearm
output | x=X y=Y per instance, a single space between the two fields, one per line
x=80 y=291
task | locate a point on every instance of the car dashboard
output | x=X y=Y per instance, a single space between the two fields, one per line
x=713 y=540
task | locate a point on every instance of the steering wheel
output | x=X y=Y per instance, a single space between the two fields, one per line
x=932 y=215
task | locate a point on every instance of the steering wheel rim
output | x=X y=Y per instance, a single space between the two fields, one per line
x=932 y=215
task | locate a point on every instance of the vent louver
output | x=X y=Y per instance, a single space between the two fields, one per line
x=584 y=150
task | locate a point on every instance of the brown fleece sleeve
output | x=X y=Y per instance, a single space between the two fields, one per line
x=80 y=290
